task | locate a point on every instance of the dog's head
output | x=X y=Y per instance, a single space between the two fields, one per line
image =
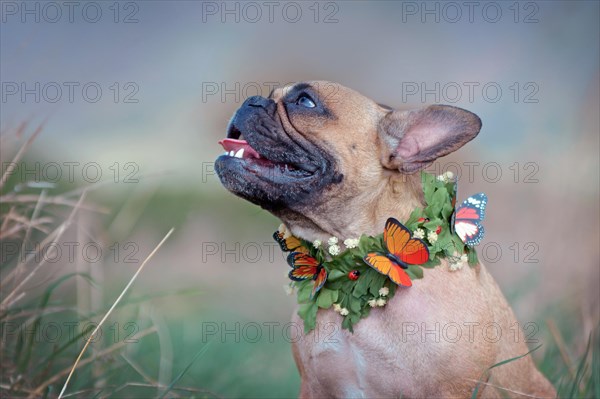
x=310 y=151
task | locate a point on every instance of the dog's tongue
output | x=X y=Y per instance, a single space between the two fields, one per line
x=237 y=145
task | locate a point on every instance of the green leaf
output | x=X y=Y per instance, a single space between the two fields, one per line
x=447 y=210
x=335 y=295
x=472 y=257
x=355 y=306
x=308 y=313
x=326 y=298
x=354 y=317
x=378 y=282
x=433 y=224
x=392 y=287
x=412 y=221
x=427 y=181
x=304 y=291
x=457 y=246
x=415 y=272
x=347 y=324
x=335 y=274
x=335 y=285
x=362 y=284
x=431 y=263
x=439 y=198
x=444 y=241
x=364 y=243
x=364 y=312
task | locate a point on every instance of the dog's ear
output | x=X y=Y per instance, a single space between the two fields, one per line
x=412 y=140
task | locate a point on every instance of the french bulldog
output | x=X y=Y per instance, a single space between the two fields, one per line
x=329 y=161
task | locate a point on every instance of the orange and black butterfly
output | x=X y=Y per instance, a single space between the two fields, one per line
x=403 y=250
x=305 y=267
x=290 y=243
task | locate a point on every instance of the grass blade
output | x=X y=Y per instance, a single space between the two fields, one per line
x=476 y=390
x=25 y=354
x=56 y=377
x=581 y=369
x=22 y=152
x=186 y=368
x=112 y=308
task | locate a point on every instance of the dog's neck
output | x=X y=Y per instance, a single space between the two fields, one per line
x=396 y=196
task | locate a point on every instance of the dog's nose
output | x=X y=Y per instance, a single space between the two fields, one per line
x=258 y=101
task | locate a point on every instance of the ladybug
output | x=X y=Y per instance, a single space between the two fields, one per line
x=354 y=275
x=438 y=230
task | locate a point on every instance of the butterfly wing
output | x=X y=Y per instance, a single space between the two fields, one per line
x=415 y=252
x=304 y=267
x=471 y=233
x=398 y=241
x=320 y=279
x=289 y=244
x=395 y=236
x=473 y=208
x=454 y=194
x=453 y=222
x=387 y=267
x=467 y=217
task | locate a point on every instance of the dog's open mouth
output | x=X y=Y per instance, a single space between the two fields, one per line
x=239 y=149
x=263 y=159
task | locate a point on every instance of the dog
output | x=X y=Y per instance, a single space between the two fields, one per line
x=329 y=161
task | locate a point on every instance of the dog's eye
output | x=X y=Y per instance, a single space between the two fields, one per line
x=306 y=101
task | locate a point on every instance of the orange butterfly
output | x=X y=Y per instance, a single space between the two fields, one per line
x=403 y=250
x=305 y=267
x=290 y=243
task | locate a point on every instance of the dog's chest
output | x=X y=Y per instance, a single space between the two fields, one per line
x=393 y=348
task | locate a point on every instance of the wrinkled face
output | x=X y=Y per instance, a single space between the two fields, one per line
x=302 y=146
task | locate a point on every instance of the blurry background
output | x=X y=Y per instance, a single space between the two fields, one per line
x=142 y=92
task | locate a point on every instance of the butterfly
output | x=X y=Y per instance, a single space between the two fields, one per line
x=403 y=250
x=467 y=217
x=305 y=267
x=290 y=243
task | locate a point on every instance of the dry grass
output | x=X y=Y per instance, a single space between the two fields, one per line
x=30 y=367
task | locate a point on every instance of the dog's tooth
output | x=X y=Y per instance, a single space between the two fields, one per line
x=240 y=153
x=231 y=153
